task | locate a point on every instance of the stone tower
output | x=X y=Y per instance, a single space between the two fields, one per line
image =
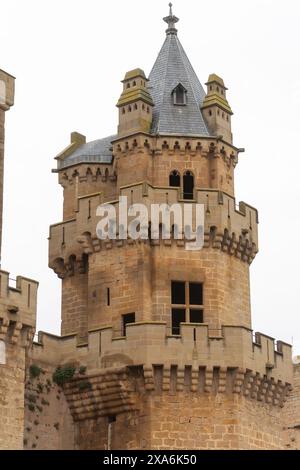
x=164 y=332
x=17 y=318
x=7 y=95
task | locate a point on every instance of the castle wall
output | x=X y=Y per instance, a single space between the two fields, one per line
x=48 y=424
x=292 y=413
x=223 y=421
x=12 y=380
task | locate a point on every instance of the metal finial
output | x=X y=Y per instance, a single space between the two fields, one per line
x=171 y=20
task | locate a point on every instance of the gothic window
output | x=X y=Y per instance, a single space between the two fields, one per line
x=126 y=319
x=187 y=303
x=179 y=95
x=188 y=185
x=174 y=179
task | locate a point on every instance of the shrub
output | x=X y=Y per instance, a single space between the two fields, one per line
x=82 y=370
x=34 y=371
x=31 y=398
x=84 y=385
x=40 y=387
x=62 y=374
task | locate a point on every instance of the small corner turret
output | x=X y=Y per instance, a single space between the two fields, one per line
x=135 y=104
x=216 y=110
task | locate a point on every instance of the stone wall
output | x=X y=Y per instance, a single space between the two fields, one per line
x=12 y=385
x=48 y=424
x=292 y=412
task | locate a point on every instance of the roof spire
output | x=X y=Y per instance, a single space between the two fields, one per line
x=171 y=20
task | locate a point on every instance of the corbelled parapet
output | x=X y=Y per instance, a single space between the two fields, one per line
x=230 y=229
x=232 y=361
x=17 y=309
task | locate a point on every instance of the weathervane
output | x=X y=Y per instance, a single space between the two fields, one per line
x=171 y=20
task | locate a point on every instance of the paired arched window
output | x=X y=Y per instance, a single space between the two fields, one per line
x=188 y=183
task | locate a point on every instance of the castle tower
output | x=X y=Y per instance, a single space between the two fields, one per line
x=7 y=93
x=17 y=318
x=165 y=332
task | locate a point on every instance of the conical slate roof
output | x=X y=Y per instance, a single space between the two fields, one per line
x=172 y=67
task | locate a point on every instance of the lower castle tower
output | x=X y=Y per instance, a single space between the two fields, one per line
x=17 y=318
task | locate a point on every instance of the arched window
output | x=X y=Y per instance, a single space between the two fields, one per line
x=128 y=85
x=179 y=95
x=135 y=106
x=134 y=83
x=174 y=179
x=188 y=185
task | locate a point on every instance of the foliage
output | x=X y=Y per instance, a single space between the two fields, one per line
x=62 y=374
x=31 y=398
x=34 y=371
x=82 y=370
x=84 y=385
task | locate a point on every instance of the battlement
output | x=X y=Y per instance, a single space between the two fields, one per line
x=226 y=227
x=17 y=305
x=256 y=361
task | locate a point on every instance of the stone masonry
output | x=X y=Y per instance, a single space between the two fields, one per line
x=156 y=348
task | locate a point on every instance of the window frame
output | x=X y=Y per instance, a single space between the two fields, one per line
x=187 y=307
x=184 y=95
x=126 y=323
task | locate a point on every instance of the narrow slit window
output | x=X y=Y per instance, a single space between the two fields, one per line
x=108 y=296
x=127 y=319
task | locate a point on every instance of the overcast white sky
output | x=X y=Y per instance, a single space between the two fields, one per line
x=69 y=57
